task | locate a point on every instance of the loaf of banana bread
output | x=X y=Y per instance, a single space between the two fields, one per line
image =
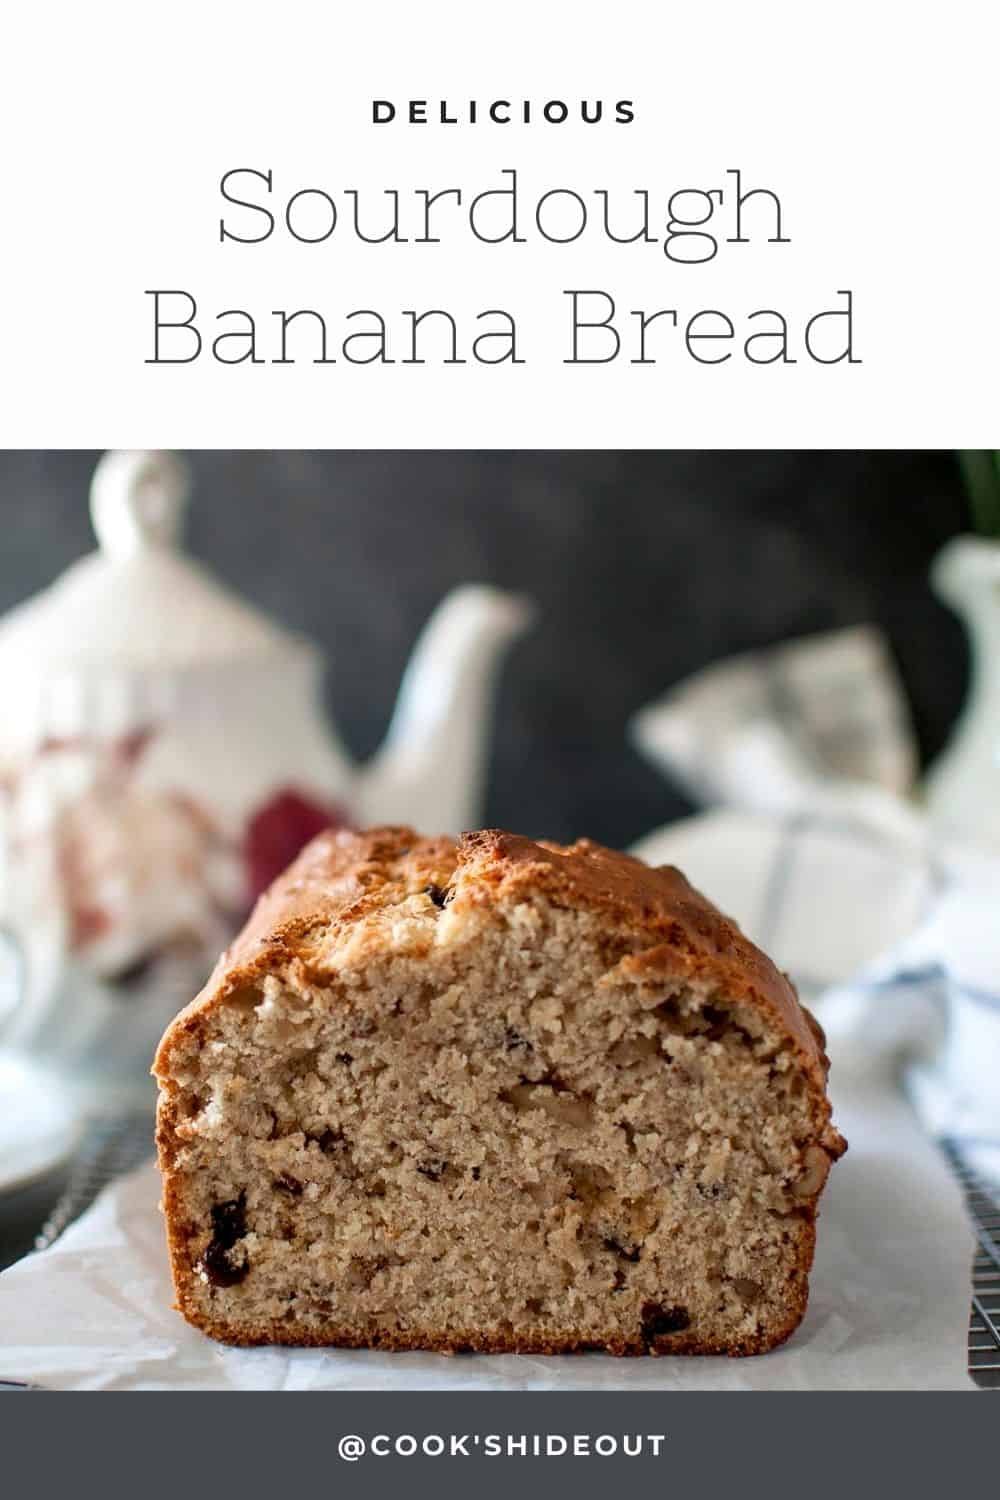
x=492 y=1094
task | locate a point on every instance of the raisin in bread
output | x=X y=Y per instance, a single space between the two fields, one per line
x=492 y=1094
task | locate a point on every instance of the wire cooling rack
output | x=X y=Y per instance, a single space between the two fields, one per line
x=111 y=1146
x=984 y=1315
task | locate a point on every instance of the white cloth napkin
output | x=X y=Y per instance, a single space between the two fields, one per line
x=806 y=752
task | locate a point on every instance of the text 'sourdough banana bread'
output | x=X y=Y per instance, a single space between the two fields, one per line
x=492 y=1094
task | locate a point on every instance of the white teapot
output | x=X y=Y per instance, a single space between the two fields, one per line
x=164 y=752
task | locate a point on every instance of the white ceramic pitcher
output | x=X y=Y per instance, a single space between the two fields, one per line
x=963 y=785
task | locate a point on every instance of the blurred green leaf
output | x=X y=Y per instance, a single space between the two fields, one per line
x=981 y=472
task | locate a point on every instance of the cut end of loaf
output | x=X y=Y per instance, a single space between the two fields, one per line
x=476 y=1097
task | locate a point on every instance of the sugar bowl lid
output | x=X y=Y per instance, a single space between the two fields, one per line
x=137 y=603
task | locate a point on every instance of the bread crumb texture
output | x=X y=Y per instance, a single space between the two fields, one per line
x=492 y=1095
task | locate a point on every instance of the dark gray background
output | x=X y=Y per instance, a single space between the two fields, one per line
x=646 y=565
x=920 y=1444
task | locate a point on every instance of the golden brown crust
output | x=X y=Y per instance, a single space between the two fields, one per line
x=667 y=928
x=343 y=875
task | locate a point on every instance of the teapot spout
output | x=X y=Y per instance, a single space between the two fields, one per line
x=431 y=767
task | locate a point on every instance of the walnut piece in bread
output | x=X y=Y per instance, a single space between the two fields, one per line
x=494 y=1095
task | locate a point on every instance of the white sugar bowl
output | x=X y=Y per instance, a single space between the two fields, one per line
x=164 y=753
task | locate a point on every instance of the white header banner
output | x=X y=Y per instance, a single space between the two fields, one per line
x=546 y=225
